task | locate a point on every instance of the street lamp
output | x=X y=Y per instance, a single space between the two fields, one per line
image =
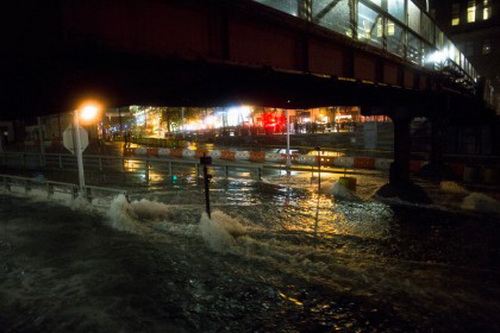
x=87 y=112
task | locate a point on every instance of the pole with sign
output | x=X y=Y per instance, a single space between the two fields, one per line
x=76 y=139
x=79 y=153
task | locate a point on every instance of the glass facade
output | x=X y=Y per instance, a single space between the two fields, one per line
x=370 y=25
x=334 y=15
x=288 y=6
x=397 y=26
x=397 y=9
x=455 y=14
x=471 y=11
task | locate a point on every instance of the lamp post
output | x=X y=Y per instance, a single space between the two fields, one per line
x=87 y=113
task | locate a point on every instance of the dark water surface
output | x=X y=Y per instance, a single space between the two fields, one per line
x=303 y=264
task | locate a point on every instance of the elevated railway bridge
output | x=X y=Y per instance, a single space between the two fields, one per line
x=387 y=56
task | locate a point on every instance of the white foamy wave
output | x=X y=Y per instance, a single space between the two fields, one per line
x=342 y=192
x=452 y=187
x=482 y=203
x=220 y=232
x=80 y=203
x=149 y=209
x=121 y=215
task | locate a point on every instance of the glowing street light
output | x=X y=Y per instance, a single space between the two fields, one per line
x=87 y=112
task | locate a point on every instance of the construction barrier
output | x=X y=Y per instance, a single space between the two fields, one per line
x=257 y=156
x=468 y=173
x=458 y=169
x=272 y=157
x=364 y=162
x=214 y=154
x=127 y=151
x=306 y=160
x=415 y=166
x=188 y=153
x=228 y=155
x=153 y=152
x=383 y=164
x=201 y=152
x=326 y=160
x=176 y=153
x=141 y=151
x=163 y=152
x=344 y=162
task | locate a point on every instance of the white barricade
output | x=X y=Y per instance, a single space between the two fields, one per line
x=214 y=154
x=188 y=153
x=272 y=157
x=344 y=162
x=306 y=160
x=382 y=163
x=164 y=152
x=141 y=151
x=242 y=156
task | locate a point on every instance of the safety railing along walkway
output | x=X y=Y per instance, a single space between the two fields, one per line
x=25 y=185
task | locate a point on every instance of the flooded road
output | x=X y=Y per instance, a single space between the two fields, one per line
x=274 y=257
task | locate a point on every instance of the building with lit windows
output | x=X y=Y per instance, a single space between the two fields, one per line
x=474 y=27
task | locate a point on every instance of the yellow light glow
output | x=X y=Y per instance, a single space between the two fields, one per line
x=89 y=112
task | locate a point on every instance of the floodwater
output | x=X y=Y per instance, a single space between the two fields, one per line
x=275 y=257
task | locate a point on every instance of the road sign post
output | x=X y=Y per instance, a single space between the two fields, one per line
x=79 y=154
x=76 y=139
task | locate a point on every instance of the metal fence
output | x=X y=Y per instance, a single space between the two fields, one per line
x=52 y=188
x=100 y=163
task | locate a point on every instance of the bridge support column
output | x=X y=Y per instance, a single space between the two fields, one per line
x=399 y=174
x=436 y=169
x=400 y=185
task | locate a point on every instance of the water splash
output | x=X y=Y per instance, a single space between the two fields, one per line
x=452 y=187
x=481 y=203
x=121 y=215
x=221 y=231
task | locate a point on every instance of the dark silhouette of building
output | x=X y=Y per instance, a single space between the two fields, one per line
x=474 y=27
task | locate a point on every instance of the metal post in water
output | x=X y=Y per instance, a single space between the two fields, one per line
x=288 y=161
x=206 y=161
x=318 y=149
x=42 y=147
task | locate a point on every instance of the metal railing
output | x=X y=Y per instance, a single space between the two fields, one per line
x=26 y=184
x=399 y=27
x=123 y=164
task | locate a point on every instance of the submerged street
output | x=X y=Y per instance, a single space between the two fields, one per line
x=273 y=258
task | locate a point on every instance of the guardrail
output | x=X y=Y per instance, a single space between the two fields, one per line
x=26 y=184
x=124 y=164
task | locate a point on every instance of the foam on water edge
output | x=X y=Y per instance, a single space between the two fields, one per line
x=480 y=202
x=452 y=187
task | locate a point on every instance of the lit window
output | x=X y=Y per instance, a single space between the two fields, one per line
x=455 y=14
x=486 y=46
x=380 y=28
x=486 y=9
x=390 y=28
x=471 y=11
